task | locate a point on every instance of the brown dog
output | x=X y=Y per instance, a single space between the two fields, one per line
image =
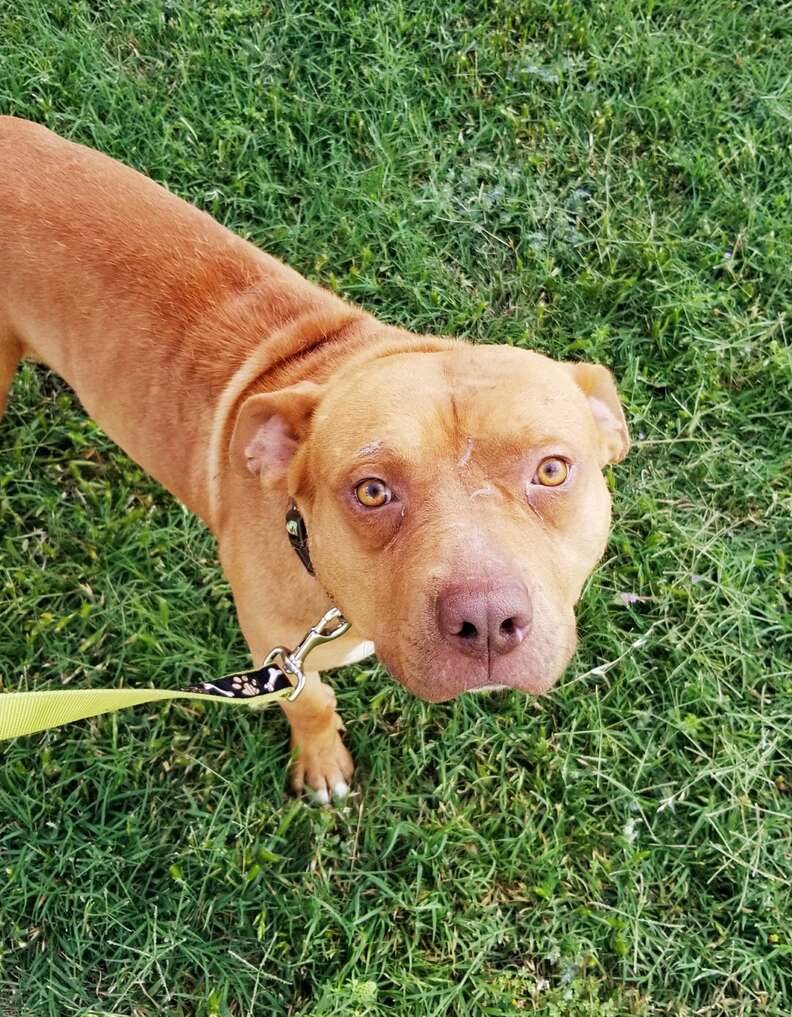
x=453 y=494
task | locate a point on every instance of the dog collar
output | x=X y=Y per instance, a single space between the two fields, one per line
x=297 y=532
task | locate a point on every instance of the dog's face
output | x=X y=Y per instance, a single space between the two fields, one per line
x=455 y=505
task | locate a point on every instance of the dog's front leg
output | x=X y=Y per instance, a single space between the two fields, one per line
x=10 y=355
x=322 y=763
x=321 y=760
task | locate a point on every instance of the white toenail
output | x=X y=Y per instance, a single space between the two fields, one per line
x=322 y=796
x=340 y=789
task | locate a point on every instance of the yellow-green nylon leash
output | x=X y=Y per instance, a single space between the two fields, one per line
x=23 y=713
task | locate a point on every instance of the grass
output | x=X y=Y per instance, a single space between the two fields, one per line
x=604 y=181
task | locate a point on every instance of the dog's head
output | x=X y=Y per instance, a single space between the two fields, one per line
x=455 y=504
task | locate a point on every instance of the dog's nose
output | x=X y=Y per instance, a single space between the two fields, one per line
x=482 y=620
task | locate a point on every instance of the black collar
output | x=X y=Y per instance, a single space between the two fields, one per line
x=298 y=535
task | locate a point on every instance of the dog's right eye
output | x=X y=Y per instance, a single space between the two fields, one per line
x=551 y=472
x=373 y=493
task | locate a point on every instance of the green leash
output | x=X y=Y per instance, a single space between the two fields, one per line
x=23 y=713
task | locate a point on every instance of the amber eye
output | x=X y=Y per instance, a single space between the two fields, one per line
x=551 y=472
x=373 y=493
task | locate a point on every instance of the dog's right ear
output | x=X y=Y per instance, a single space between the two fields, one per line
x=270 y=427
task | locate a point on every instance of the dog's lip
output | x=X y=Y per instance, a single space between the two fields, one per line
x=432 y=693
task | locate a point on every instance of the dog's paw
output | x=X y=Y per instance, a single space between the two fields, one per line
x=322 y=765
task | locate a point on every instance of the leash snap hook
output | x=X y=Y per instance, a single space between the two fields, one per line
x=329 y=627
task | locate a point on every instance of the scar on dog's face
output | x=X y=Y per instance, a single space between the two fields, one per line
x=455 y=505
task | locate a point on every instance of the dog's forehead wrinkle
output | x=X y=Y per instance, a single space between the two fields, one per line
x=370 y=447
x=464 y=459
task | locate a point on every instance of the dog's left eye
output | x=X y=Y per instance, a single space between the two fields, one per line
x=551 y=472
x=373 y=493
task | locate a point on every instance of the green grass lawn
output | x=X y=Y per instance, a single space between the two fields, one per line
x=606 y=181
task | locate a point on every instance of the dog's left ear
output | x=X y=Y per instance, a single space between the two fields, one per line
x=600 y=389
x=270 y=427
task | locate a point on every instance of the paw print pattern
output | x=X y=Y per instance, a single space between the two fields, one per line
x=245 y=684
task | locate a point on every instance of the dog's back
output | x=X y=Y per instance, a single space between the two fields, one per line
x=145 y=305
x=90 y=247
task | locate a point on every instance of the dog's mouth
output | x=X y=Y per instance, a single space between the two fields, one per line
x=444 y=683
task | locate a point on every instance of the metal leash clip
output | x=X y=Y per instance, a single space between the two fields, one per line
x=329 y=627
x=281 y=672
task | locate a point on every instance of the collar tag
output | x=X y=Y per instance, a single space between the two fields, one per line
x=298 y=536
